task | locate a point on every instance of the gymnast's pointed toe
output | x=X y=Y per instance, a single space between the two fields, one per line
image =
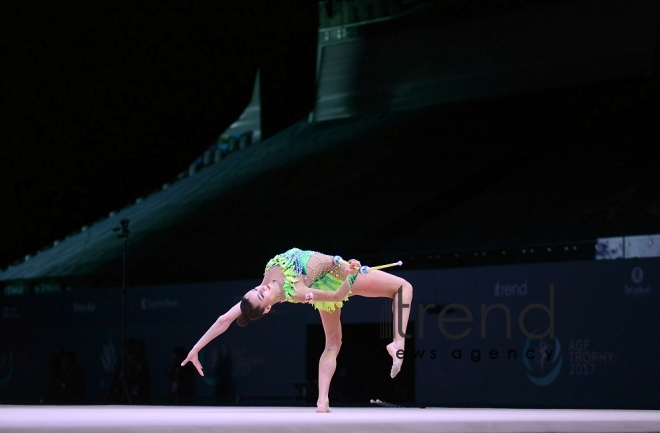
x=396 y=361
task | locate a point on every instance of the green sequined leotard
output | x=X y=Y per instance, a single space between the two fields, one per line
x=293 y=264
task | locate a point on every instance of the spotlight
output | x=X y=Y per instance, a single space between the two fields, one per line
x=524 y=251
x=549 y=249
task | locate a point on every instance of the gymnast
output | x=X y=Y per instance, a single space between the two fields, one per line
x=325 y=282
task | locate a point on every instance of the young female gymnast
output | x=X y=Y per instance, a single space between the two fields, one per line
x=325 y=282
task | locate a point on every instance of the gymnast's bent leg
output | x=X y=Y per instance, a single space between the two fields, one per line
x=377 y=283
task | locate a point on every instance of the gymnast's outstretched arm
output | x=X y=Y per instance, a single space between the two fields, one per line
x=216 y=329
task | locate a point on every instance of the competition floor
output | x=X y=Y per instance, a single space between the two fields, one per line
x=341 y=420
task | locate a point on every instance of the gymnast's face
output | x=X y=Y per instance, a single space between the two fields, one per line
x=264 y=296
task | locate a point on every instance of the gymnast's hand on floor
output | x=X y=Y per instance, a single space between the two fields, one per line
x=192 y=357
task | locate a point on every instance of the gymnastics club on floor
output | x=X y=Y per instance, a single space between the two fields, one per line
x=379 y=402
x=365 y=269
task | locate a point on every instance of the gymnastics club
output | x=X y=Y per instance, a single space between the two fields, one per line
x=379 y=402
x=365 y=269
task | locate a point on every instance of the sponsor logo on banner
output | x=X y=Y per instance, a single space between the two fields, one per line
x=584 y=358
x=151 y=304
x=638 y=287
x=84 y=308
x=243 y=361
x=544 y=369
x=511 y=289
x=9 y=313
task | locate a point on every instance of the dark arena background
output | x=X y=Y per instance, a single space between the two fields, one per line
x=505 y=151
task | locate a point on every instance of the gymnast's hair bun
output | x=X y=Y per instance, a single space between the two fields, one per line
x=243 y=320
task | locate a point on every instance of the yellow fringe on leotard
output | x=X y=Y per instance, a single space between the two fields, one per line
x=293 y=263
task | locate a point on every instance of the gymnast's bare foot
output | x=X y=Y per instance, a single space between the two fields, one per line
x=396 y=362
x=322 y=407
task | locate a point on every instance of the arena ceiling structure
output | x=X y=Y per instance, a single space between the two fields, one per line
x=454 y=150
